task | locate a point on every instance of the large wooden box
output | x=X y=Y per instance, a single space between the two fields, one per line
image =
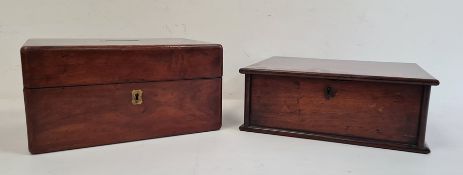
x=365 y=103
x=82 y=93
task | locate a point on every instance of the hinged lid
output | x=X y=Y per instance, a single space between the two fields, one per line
x=409 y=73
x=73 y=62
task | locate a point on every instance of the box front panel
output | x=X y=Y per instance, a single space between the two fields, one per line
x=83 y=116
x=378 y=111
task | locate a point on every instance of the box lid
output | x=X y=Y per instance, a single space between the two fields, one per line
x=74 y=62
x=112 y=42
x=409 y=73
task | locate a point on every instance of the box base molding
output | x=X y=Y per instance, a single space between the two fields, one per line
x=336 y=138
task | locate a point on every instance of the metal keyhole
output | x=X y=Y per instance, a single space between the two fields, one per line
x=329 y=92
x=137 y=97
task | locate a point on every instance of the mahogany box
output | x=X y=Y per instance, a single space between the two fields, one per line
x=377 y=104
x=88 y=92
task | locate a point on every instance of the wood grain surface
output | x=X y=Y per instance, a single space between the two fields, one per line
x=56 y=66
x=74 y=117
x=89 y=92
x=369 y=110
x=405 y=73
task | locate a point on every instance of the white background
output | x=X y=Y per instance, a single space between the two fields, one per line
x=427 y=32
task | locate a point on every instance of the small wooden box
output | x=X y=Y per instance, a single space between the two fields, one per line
x=82 y=93
x=374 y=104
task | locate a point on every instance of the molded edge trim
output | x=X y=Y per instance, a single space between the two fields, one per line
x=338 y=139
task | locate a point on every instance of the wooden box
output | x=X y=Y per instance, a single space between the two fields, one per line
x=374 y=104
x=82 y=93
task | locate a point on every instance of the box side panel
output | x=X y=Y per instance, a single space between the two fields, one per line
x=423 y=116
x=379 y=111
x=72 y=66
x=75 y=117
x=247 y=99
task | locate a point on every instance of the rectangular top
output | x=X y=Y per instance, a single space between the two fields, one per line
x=76 y=62
x=409 y=73
x=111 y=42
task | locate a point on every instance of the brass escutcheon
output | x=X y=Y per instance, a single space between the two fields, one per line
x=137 y=97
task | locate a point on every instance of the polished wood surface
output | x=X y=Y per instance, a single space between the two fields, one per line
x=55 y=66
x=362 y=109
x=408 y=73
x=355 y=102
x=74 y=117
x=89 y=92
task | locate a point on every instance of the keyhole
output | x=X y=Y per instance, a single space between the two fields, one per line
x=329 y=92
x=137 y=97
